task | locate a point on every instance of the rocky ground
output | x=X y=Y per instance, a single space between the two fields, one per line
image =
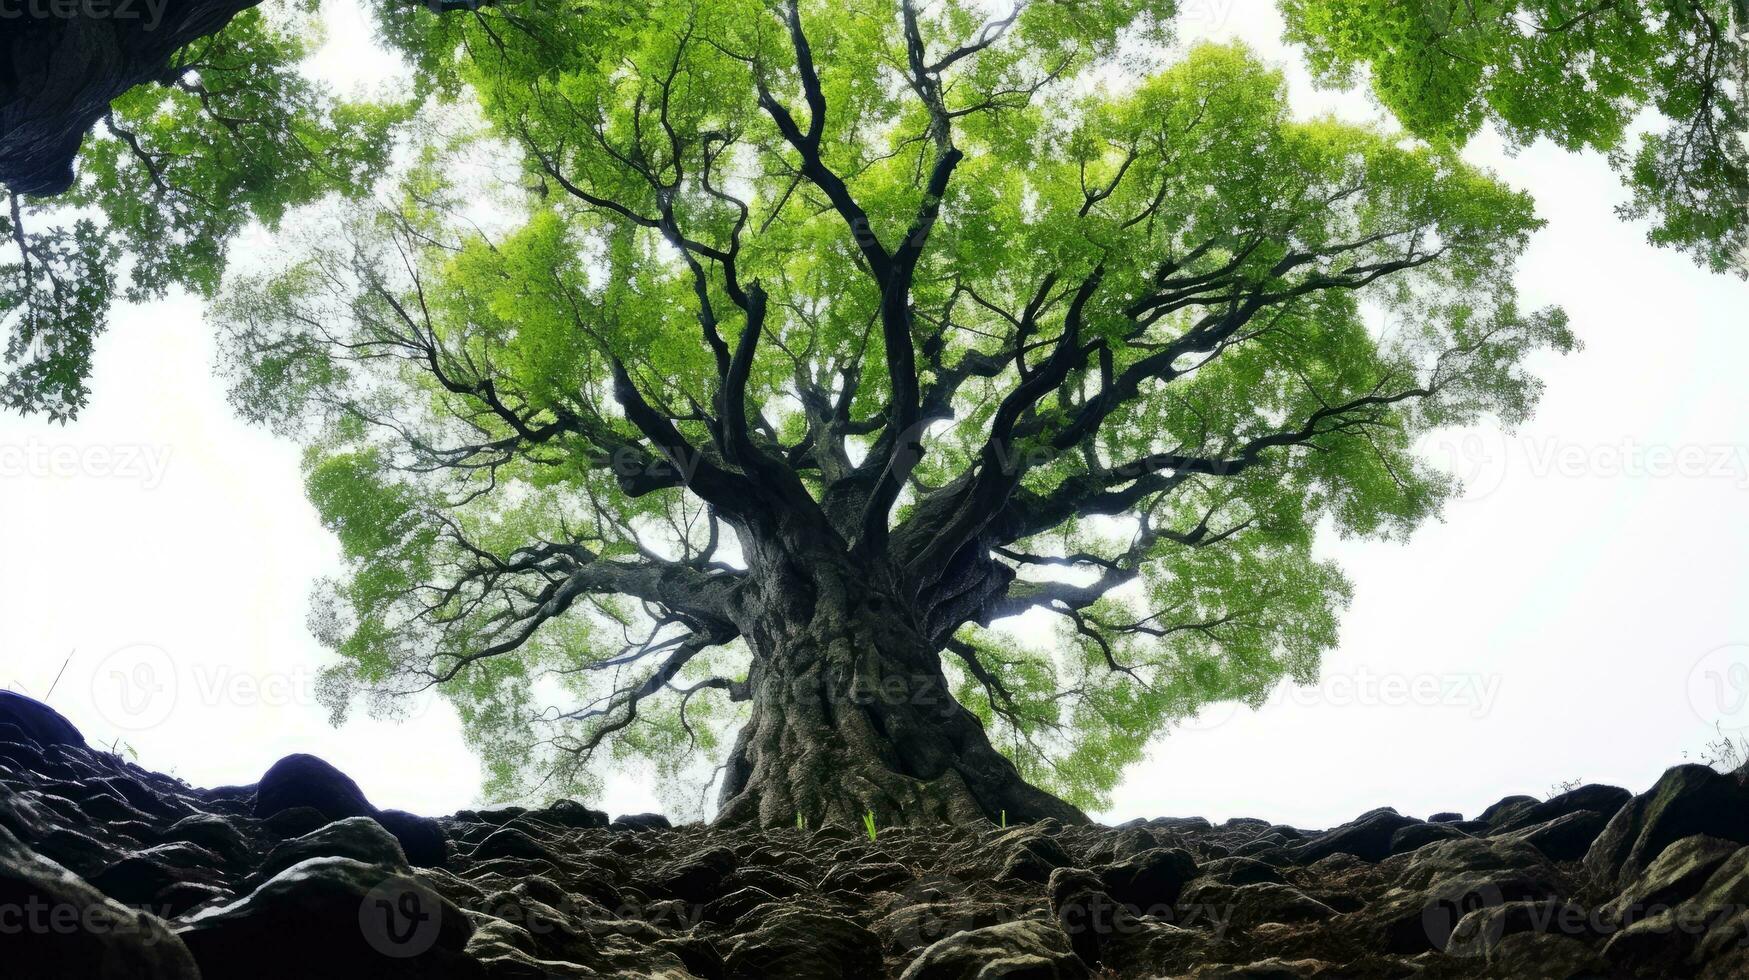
x=108 y=870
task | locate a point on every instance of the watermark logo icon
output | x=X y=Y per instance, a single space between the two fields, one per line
x=400 y=917
x=1440 y=918
x=1477 y=458
x=1208 y=717
x=1718 y=688
x=134 y=688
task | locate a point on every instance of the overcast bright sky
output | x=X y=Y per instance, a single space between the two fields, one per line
x=1580 y=614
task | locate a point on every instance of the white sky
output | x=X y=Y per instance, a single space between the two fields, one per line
x=1579 y=614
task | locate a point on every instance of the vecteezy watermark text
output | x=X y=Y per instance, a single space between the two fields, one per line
x=149 y=11
x=38 y=916
x=41 y=460
x=1473 y=693
x=139 y=686
x=1484 y=460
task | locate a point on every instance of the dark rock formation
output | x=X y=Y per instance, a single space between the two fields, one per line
x=62 y=926
x=1603 y=800
x=26 y=719
x=642 y=821
x=306 y=783
x=333 y=917
x=787 y=941
x=421 y=839
x=304 y=780
x=1688 y=800
x=1024 y=950
x=62 y=64
x=1674 y=877
x=301 y=877
x=1155 y=877
x=1368 y=837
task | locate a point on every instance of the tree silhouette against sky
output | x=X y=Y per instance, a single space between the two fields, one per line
x=823 y=358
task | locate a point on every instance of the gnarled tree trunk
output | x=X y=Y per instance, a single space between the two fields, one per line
x=59 y=72
x=62 y=64
x=852 y=714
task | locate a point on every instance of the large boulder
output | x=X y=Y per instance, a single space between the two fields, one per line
x=1686 y=800
x=1368 y=837
x=1436 y=886
x=1418 y=835
x=295 y=822
x=1024 y=950
x=138 y=878
x=59 y=926
x=35 y=721
x=866 y=877
x=1242 y=907
x=1150 y=880
x=513 y=842
x=1708 y=925
x=1566 y=837
x=215 y=833
x=699 y=877
x=1030 y=853
x=1240 y=871
x=1546 y=956
x=802 y=944
x=911 y=928
x=338 y=918
x=1595 y=797
x=81 y=854
x=1084 y=913
x=570 y=813
x=422 y=838
x=358 y=838
x=1480 y=932
x=1676 y=875
x=304 y=782
x=1499 y=812
x=641 y=821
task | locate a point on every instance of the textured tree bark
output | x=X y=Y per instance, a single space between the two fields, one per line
x=58 y=74
x=852 y=714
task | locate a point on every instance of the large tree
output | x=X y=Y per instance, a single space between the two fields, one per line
x=821 y=342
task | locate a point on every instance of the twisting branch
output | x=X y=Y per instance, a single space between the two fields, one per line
x=724 y=489
x=808 y=144
x=979 y=502
x=621 y=708
x=906 y=444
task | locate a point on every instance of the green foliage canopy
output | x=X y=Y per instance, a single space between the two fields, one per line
x=1036 y=336
x=235 y=133
x=1577 y=73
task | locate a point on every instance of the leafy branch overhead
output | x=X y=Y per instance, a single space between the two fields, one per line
x=232 y=133
x=1585 y=75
